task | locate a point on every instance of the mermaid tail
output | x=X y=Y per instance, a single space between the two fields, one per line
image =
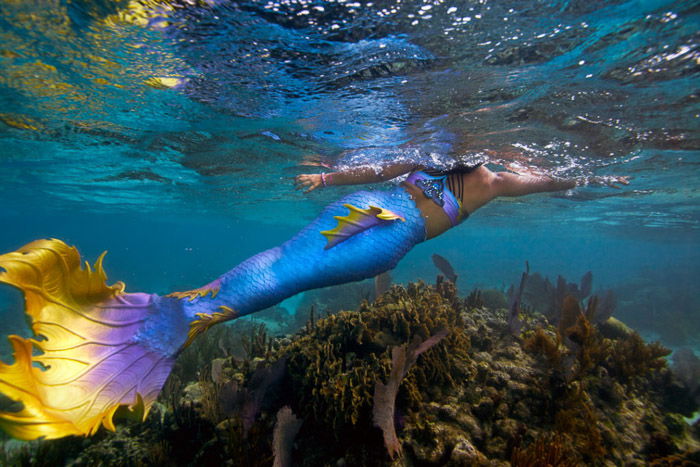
x=101 y=348
x=320 y=255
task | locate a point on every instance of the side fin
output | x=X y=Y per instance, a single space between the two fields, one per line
x=358 y=220
x=204 y=321
x=93 y=356
x=211 y=288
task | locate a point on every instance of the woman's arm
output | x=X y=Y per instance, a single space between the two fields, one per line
x=356 y=176
x=510 y=184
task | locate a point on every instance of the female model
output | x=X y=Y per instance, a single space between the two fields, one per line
x=100 y=348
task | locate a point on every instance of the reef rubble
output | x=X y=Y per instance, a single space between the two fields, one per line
x=418 y=377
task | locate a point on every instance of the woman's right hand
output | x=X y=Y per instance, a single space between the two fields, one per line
x=308 y=182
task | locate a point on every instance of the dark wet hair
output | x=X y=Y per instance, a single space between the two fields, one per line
x=455 y=184
x=459 y=167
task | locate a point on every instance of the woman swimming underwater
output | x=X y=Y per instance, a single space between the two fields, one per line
x=101 y=347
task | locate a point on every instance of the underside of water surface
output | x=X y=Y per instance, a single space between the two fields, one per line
x=169 y=134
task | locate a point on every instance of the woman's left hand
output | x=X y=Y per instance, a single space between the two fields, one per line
x=308 y=182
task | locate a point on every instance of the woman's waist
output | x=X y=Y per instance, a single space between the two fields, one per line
x=436 y=219
x=430 y=204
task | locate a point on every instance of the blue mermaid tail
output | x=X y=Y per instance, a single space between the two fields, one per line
x=101 y=348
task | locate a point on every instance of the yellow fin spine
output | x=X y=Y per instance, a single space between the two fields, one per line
x=199 y=292
x=205 y=321
x=356 y=221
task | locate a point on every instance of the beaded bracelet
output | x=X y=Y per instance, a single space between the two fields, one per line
x=323 y=179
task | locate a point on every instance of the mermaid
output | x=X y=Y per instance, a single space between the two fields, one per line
x=97 y=348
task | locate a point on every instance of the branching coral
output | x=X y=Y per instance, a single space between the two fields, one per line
x=515 y=324
x=286 y=428
x=572 y=354
x=257 y=343
x=576 y=348
x=546 y=451
x=402 y=359
x=546 y=345
x=474 y=299
x=569 y=403
x=576 y=416
x=549 y=299
x=588 y=346
x=633 y=358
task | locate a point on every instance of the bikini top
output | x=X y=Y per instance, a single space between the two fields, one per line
x=436 y=188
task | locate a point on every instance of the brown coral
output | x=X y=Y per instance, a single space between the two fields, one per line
x=546 y=451
x=335 y=365
x=633 y=358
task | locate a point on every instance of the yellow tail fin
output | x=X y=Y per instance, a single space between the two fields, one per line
x=93 y=340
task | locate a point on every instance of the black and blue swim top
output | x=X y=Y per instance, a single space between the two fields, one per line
x=445 y=188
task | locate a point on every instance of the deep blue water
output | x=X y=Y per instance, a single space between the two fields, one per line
x=169 y=135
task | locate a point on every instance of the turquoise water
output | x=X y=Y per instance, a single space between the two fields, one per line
x=169 y=136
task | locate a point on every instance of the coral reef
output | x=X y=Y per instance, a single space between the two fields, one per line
x=540 y=294
x=563 y=391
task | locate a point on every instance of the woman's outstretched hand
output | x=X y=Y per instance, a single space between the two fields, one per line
x=308 y=182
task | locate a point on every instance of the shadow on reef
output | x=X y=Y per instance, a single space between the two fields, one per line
x=419 y=377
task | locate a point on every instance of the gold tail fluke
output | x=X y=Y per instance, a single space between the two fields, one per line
x=93 y=356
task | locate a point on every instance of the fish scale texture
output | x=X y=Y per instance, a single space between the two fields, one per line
x=303 y=263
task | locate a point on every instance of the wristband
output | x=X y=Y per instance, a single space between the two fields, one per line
x=323 y=179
